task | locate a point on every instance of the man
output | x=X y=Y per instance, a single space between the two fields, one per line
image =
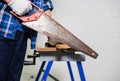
x=13 y=36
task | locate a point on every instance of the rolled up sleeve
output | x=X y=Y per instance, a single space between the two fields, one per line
x=44 y=4
x=47 y=5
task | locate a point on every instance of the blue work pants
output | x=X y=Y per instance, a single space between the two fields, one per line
x=12 y=53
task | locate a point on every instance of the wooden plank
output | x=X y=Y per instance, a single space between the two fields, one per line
x=62 y=46
x=46 y=49
x=59 y=53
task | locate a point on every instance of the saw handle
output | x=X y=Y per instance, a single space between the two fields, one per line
x=31 y=17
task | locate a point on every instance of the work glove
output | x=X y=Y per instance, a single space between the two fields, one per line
x=20 y=7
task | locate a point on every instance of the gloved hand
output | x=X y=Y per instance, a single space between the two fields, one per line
x=20 y=7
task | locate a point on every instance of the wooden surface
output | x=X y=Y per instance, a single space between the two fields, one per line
x=61 y=52
x=46 y=49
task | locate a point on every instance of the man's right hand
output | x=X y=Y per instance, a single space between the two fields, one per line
x=20 y=7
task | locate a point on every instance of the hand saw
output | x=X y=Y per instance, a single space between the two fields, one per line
x=41 y=22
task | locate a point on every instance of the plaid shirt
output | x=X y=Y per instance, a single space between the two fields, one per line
x=9 y=24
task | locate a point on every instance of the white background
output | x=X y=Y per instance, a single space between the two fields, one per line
x=97 y=23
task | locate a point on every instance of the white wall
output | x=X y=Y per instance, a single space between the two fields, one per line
x=97 y=23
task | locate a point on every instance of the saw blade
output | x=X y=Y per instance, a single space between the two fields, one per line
x=49 y=27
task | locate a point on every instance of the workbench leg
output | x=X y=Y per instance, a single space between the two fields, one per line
x=81 y=72
x=40 y=70
x=47 y=70
x=70 y=71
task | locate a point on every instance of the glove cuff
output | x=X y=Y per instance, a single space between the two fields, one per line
x=10 y=3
